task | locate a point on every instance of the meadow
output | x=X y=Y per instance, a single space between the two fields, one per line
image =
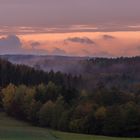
x=11 y=129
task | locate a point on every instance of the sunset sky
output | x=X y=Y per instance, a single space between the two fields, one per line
x=106 y=28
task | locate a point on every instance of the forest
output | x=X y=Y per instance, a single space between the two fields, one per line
x=104 y=100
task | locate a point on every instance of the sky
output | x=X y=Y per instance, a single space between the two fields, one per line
x=106 y=28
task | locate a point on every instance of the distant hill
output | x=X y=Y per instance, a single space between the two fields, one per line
x=120 y=72
x=47 y=63
x=103 y=100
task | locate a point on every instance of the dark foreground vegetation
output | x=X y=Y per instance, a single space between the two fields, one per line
x=65 y=102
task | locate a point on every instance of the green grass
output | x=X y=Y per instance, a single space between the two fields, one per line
x=11 y=129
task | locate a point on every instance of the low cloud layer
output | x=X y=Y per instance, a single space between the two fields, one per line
x=10 y=44
x=58 y=51
x=108 y=37
x=99 y=45
x=35 y=44
x=84 y=40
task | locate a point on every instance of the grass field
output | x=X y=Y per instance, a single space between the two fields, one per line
x=11 y=129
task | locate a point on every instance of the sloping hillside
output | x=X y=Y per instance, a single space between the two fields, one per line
x=11 y=129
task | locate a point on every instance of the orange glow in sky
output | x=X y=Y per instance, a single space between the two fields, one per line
x=106 y=28
x=124 y=43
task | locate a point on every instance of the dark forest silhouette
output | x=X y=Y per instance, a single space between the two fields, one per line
x=105 y=100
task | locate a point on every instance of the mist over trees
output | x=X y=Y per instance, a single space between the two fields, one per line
x=73 y=103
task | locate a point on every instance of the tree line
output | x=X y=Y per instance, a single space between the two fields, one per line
x=105 y=111
x=22 y=74
x=61 y=101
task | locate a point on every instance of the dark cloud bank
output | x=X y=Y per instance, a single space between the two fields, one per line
x=108 y=37
x=10 y=44
x=82 y=40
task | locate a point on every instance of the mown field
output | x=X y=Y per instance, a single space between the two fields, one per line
x=11 y=129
